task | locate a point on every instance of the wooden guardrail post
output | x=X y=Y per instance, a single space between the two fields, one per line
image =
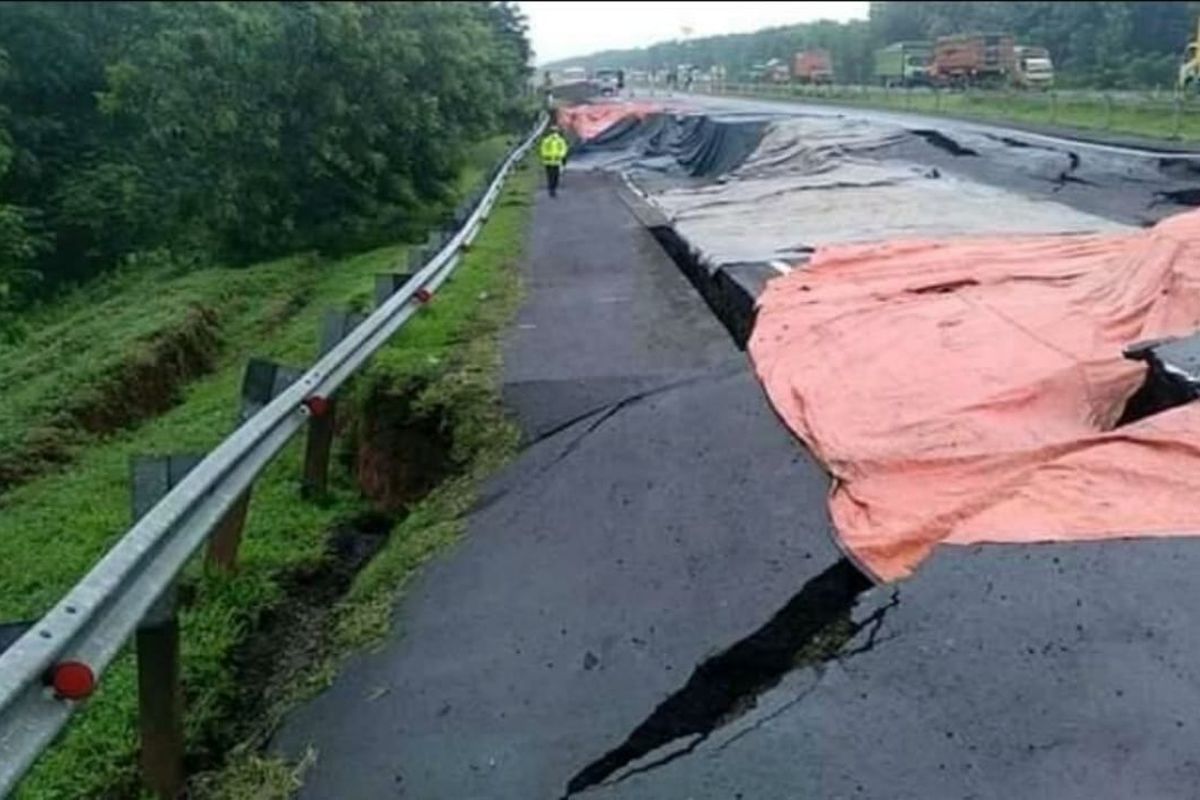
x=319 y=444
x=160 y=700
x=160 y=691
x=262 y=381
x=226 y=538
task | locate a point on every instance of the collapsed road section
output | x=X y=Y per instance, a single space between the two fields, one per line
x=1049 y=667
x=978 y=330
x=739 y=196
x=658 y=515
x=652 y=602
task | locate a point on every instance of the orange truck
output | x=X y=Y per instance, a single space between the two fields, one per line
x=812 y=66
x=974 y=59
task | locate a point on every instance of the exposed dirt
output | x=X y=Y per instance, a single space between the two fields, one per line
x=147 y=383
x=401 y=453
x=398 y=456
x=291 y=637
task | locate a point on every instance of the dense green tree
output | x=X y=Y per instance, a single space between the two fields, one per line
x=238 y=130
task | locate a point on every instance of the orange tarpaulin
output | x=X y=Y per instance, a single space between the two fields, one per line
x=966 y=391
x=590 y=120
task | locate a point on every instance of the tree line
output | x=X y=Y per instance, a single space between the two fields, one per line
x=133 y=131
x=1103 y=45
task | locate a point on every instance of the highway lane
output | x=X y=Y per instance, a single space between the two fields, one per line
x=650 y=603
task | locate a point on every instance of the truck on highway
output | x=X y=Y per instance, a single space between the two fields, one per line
x=1034 y=69
x=609 y=79
x=974 y=59
x=773 y=70
x=1189 y=70
x=812 y=66
x=903 y=64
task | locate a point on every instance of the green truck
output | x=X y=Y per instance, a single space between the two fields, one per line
x=903 y=64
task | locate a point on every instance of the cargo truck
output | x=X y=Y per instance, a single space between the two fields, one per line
x=1189 y=70
x=609 y=79
x=974 y=59
x=772 y=70
x=812 y=66
x=903 y=64
x=1034 y=69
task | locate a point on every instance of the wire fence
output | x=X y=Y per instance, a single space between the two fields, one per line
x=1167 y=115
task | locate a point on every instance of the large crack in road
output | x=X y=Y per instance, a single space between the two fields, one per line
x=726 y=685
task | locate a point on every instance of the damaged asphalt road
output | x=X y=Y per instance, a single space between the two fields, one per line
x=1057 y=671
x=649 y=604
x=659 y=515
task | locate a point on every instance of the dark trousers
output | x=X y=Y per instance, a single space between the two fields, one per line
x=552 y=173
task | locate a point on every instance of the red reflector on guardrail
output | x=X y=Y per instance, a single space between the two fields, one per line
x=317 y=406
x=72 y=680
x=423 y=295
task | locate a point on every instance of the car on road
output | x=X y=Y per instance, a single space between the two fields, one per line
x=609 y=79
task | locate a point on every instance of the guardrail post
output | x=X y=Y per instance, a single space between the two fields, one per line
x=461 y=212
x=1108 y=111
x=1053 y=106
x=226 y=538
x=317 y=447
x=1177 y=116
x=11 y=631
x=388 y=283
x=262 y=381
x=160 y=692
x=160 y=700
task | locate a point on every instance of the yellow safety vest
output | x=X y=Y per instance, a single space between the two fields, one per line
x=553 y=150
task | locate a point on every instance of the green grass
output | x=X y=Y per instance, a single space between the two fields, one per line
x=1145 y=115
x=77 y=348
x=80 y=353
x=53 y=528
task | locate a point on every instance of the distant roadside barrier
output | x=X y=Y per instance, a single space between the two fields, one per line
x=1165 y=114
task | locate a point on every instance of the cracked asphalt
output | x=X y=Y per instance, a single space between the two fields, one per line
x=660 y=514
x=629 y=613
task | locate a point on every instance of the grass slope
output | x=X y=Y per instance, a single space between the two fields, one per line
x=55 y=526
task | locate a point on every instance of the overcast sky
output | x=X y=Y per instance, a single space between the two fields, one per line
x=564 y=29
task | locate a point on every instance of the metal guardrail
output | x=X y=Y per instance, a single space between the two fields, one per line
x=88 y=626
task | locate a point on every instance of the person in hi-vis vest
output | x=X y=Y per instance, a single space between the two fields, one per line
x=554 y=156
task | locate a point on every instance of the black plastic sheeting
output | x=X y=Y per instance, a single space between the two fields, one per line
x=706 y=146
x=668 y=151
x=1172 y=376
x=678 y=145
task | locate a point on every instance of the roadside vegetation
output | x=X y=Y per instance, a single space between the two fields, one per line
x=184 y=186
x=251 y=644
x=135 y=134
x=1163 y=115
